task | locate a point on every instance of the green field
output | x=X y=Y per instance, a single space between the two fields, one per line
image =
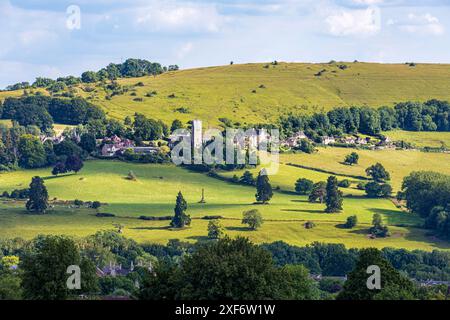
x=154 y=194
x=421 y=139
x=227 y=91
x=399 y=163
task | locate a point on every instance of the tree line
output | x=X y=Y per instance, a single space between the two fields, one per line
x=43 y=111
x=37 y=269
x=433 y=115
x=131 y=68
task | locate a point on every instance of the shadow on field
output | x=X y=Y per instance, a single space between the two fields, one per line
x=303 y=210
x=360 y=231
x=59 y=176
x=240 y=229
x=151 y=228
x=392 y=217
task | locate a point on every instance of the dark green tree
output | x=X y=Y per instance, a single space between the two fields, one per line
x=351 y=222
x=334 y=197
x=227 y=270
x=215 y=229
x=378 y=190
x=304 y=186
x=378 y=173
x=318 y=192
x=247 y=178
x=176 y=124
x=263 y=188
x=355 y=288
x=32 y=152
x=45 y=269
x=87 y=142
x=180 y=219
x=74 y=163
x=38 y=199
x=351 y=158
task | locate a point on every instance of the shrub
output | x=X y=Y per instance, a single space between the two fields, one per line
x=352 y=221
x=344 y=183
x=310 y=225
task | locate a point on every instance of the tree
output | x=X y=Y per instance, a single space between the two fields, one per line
x=351 y=158
x=215 y=229
x=176 y=124
x=378 y=173
x=74 y=163
x=334 y=197
x=247 y=178
x=352 y=221
x=45 y=269
x=96 y=205
x=378 y=229
x=89 y=77
x=304 y=186
x=378 y=190
x=355 y=288
x=306 y=146
x=253 y=219
x=344 y=183
x=67 y=148
x=60 y=168
x=263 y=188
x=226 y=270
x=319 y=191
x=87 y=142
x=32 y=152
x=38 y=199
x=181 y=219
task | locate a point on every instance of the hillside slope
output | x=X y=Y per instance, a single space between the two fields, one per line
x=253 y=93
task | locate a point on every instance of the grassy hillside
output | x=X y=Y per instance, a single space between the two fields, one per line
x=285 y=216
x=398 y=163
x=227 y=91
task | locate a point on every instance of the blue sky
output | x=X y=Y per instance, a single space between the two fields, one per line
x=35 y=40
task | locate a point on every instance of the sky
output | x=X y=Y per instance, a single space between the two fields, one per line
x=52 y=38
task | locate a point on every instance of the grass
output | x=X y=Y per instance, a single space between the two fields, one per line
x=399 y=163
x=421 y=139
x=227 y=91
x=154 y=194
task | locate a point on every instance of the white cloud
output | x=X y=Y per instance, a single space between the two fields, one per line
x=367 y=2
x=354 y=22
x=423 y=24
x=178 y=17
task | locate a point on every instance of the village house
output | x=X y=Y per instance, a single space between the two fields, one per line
x=328 y=140
x=294 y=140
x=115 y=145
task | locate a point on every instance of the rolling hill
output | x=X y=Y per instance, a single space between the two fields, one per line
x=254 y=93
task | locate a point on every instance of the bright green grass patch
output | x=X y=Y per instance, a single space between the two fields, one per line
x=78 y=223
x=421 y=139
x=154 y=193
x=287 y=176
x=399 y=163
